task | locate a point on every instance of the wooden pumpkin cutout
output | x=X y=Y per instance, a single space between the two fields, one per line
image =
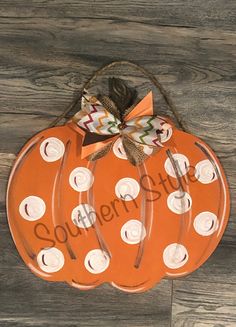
x=89 y=220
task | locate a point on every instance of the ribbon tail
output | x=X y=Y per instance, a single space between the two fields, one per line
x=143 y=108
x=89 y=149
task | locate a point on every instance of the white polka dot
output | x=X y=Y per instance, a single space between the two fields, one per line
x=119 y=150
x=83 y=215
x=175 y=256
x=166 y=135
x=181 y=162
x=32 y=208
x=205 y=172
x=179 y=202
x=96 y=261
x=127 y=189
x=50 y=260
x=52 y=149
x=133 y=231
x=81 y=179
x=206 y=223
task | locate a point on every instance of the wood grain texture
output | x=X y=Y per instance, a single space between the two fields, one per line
x=158 y=12
x=203 y=304
x=31 y=302
x=48 y=49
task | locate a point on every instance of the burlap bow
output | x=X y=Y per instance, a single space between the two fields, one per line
x=138 y=129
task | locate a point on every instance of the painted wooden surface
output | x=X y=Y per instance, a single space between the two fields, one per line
x=48 y=49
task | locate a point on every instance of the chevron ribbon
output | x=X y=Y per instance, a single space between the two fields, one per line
x=140 y=128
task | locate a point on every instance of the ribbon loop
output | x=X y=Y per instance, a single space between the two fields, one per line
x=146 y=130
x=100 y=122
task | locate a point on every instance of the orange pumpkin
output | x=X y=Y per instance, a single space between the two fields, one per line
x=71 y=219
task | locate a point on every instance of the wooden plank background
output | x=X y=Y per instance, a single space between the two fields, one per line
x=48 y=49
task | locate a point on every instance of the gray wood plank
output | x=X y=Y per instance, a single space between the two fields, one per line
x=159 y=12
x=28 y=301
x=25 y=126
x=203 y=304
x=6 y=162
